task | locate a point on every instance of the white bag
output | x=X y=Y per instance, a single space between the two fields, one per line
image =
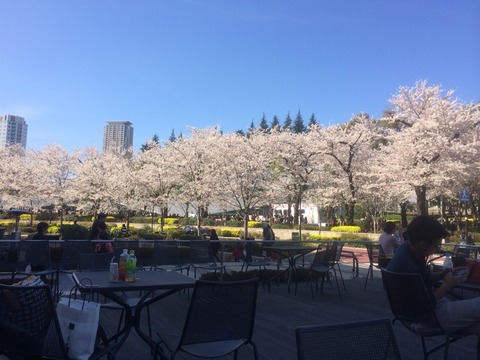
x=79 y=323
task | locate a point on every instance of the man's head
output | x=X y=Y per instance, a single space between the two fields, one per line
x=426 y=233
x=42 y=227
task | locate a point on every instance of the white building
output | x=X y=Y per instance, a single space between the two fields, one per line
x=13 y=130
x=118 y=136
x=308 y=211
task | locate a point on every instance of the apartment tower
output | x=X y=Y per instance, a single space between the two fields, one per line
x=118 y=136
x=13 y=130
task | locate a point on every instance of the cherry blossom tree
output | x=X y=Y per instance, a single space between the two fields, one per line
x=54 y=169
x=15 y=178
x=91 y=182
x=243 y=174
x=297 y=159
x=347 y=148
x=156 y=178
x=194 y=169
x=433 y=140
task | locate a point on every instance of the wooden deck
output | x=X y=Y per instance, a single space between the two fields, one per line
x=279 y=313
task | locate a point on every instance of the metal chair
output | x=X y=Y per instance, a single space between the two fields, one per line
x=377 y=259
x=220 y=319
x=411 y=305
x=71 y=253
x=29 y=324
x=95 y=261
x=373 y=340
x=246 y=257
x=166 y=256
x=325 y=260
x=35 y=253
x=8 y=255
x=201 y=257
x=34 y=258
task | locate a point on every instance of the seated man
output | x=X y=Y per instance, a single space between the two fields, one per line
x=425 y=235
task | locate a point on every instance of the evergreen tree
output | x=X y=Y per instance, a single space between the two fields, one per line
x=275 y=123
x=287 y=125
x=263 y=123
x=312 y=122
x=298 y=125
x=150 y=143
x=240 y=132
x=172 y=137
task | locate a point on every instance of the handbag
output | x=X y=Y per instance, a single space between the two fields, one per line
x=78 y=321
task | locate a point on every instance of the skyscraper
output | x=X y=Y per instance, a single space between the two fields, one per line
x=13 y=130
x=118 y=136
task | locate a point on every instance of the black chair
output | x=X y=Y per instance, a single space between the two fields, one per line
x=71 y=254
x=220 y=319
x=201 y=258
x=35 y=253
x=377 y=259
x=95 y=261
x=372 y=340
x=261 y=265
x=411 y=305
x=8 y=256
x=29 y=324
x=326 y=258
x=166 y=256
x=33 y=257
x=247 y=258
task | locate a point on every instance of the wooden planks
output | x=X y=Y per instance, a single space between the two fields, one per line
x=279 y=313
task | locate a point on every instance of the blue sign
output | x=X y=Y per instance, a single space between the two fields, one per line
x=464 y=195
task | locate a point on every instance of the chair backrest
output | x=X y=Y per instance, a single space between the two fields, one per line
x=8 y=255
x=328 y=254
x=34 y=252
x=373 y=340
x=165 y=252
x=409 y=300
x=200 y=252
x=95 y=261
x=28 y=323
x=221 y=311
x=71 y=253
x=376 y=254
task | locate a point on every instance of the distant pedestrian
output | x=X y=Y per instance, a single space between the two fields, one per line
x=95 y=230
x=41 y=234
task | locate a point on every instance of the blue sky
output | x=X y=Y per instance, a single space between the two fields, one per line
x=70 y=66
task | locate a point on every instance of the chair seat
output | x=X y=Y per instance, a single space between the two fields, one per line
x=423 y=329
x=320 y=268
x=214 y=348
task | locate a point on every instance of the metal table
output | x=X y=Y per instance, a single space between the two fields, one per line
x=290 y=252
x=147 y=281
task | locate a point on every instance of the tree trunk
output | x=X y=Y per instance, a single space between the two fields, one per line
x=289 y=211
x=350 y=212
x=403 y=214
x=296 y=209
x=421 y=192
x=245 y=225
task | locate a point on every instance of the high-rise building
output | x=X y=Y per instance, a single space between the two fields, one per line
x=118 y=136
x=13 y=130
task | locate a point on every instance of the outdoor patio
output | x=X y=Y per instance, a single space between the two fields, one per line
x=279 y=313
